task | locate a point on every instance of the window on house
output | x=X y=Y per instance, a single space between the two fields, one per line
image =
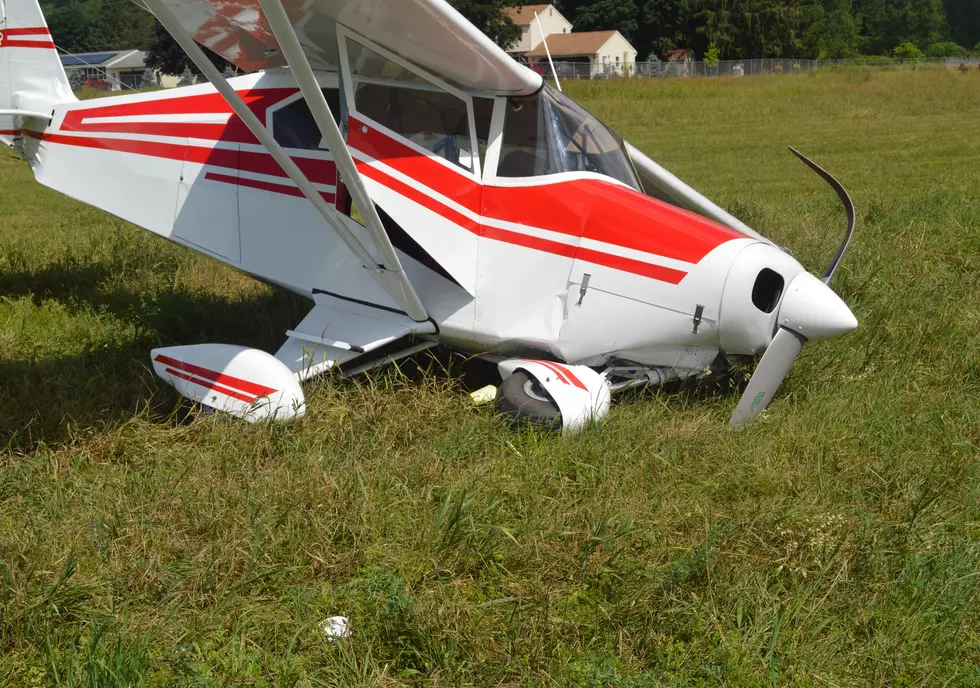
x=410 y=106
x=293 y=126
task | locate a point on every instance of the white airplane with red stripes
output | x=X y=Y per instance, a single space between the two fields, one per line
x=389 y=162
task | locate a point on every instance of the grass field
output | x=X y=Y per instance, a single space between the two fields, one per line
x=834 y=543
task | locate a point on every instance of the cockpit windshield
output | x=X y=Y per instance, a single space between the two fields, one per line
x=549 y=133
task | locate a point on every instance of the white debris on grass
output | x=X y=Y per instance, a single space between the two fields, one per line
x=484 y=396
x=335 y=627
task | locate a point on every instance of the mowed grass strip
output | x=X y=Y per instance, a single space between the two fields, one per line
x=833 y=543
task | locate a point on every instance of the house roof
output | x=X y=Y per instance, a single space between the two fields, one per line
x=133 y=59
x=679 y=55
x=568 y=44
x=525 y=15
x=119 y=59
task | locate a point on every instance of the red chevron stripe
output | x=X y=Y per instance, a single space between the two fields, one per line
x=221 y=378
x=210 y=385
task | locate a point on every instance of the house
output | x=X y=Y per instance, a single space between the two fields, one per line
x=586 y=54
x=112 y=70
x=551 y=22
x=583 y=54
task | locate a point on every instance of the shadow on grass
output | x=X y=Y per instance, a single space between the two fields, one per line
x=48 y=399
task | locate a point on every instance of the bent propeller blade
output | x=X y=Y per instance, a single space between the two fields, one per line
x=848 y=207
x=769 y=375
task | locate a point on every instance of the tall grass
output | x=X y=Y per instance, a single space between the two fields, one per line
x=835 y=542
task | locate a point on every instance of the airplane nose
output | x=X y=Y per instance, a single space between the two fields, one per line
x=812 y=309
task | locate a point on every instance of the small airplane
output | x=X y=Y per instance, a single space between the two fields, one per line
x=390 y=163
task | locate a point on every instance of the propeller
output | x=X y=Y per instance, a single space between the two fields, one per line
x=810 y=310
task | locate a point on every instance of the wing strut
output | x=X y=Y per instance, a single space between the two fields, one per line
x=390 y=274
x=296 y=58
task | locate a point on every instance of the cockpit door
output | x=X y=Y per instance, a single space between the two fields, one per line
x=413 y=137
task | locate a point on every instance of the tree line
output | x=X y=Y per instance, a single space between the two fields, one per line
x=721 y=29
x=821 y=29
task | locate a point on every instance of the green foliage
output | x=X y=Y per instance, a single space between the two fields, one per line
x=187 y=77
x=713 y=55
x=490 y=18
x=76 y=79
x=964 y=21
x=946 y=49
x=741 y=29
x=908 y=51
x=90 y=25
x=604 y=15
x=745 y=29
x=889 y=23
x=834 y=543
x=662 y=26
x=834 y=30
x=148 y=79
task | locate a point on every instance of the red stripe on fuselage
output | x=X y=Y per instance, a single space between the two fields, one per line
x=264 y=186
x=657 y=272
x=28 y=31
x=214 y=376
x=32 y=31
x=318 y=171
x=232 y=131
x=589 y=208
x=27 y=44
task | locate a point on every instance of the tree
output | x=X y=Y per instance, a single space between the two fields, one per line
x=888 y=23
x=608 y=15
x=745 y=29
x=167 y=57
x=148 y=79
x=946 y=49
x=909 y=51
x=713 y=56
x=663 y=25
x=834 y=30
x=76 y=79
x=964 y=21
x=70 y=27
x=187 y=78
x=490 y=17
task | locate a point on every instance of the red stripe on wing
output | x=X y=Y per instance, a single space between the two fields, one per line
x=212 y=386
x=244 y=385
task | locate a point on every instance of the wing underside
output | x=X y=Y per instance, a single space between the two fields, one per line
x=429 y=33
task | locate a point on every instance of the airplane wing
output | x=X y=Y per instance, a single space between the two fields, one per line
x=429 y=33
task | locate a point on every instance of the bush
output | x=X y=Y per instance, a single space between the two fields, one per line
x=946 y=49
x=909 y=51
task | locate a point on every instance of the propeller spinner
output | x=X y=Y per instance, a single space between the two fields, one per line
x=810 y=310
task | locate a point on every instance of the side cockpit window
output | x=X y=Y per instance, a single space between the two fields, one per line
x=293 y=125
x=527 y=148
x=411 y=107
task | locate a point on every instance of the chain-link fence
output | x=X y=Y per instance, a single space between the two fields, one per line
x=737 y=68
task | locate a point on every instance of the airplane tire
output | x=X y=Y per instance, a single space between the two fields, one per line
x=523 y=400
